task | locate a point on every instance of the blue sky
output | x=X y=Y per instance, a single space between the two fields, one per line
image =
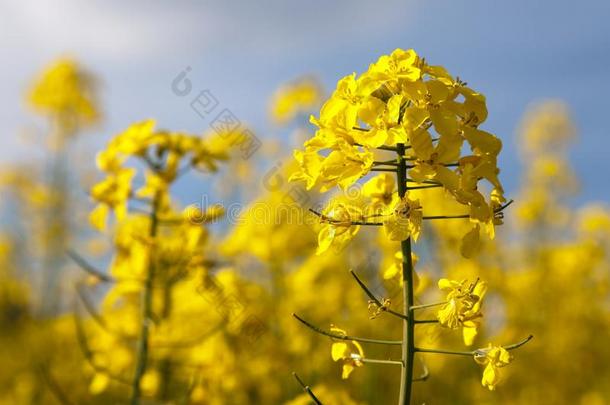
x=515 y=53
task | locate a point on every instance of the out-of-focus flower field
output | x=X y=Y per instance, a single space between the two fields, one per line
x=113 y=291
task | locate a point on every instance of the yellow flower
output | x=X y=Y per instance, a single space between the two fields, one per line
x=546 y=126
x=343 y=166
x=293 y=98
x=337 y=229
x=381 y=189
x=66 y=91
x=493 y=358
x=394 y=271
x=401 y=99
x=463 y=306
x=111 y=193
x=341 y=110
x=310 y=164
x=384 y=121
x=405 y=220
x=400 y=65
x=350 y=353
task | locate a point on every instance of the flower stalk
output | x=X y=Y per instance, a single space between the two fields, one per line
x=143 y=341
x=408 y=335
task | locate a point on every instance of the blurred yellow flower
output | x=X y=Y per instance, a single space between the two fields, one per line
x=65 y=91
x=294 y=98
x=111 y=193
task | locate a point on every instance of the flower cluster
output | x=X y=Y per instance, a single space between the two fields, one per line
x=402 y=100
x=65 y=91
x=162 y=151
x=424 y=118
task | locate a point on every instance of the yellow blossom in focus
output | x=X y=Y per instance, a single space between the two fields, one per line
x=350 y=353
x=405 y=220
x=381 y=189
x=401 y=100
x=337 y=225
x=462 y=307
x=493 y=358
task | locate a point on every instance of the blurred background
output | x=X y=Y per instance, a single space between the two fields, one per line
x=541 y=66
x=515 y=53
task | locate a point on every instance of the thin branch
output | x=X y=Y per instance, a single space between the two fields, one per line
x=502 y=207
x=432 y=217
x=425 y=217
x=424 y=306
x=423 y=321
x=307 y=389
x=91 y=308
x=382 y=169
x=345 y=337
x=154 y=166
x=518 y=344
x=386 y=162
x=370 y=294
x=377 y=361
x=422 y=187
x=84 y=265
x=332 y=220
x=57 y=391
x=473 y=352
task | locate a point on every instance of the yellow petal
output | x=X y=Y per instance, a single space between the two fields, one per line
x=97 y=217
x=490 y=377
x=347 y=370
x=469 y=332
x=325 y=238
x=339 y=350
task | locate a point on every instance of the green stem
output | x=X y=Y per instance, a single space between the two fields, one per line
x=372 y=296
x=423 y=306
x=408 y=344
x=377 y=361
x=473 y=352
x=307 y=389
x=345 y=337
x=143 y=342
